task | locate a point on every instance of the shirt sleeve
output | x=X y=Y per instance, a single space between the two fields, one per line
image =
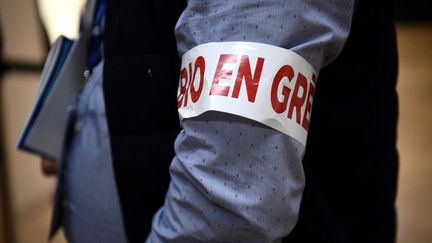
x=234 y=179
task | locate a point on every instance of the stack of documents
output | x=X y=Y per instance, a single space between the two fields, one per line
x=62 y=79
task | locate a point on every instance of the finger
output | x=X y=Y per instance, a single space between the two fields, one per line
x=49 y=167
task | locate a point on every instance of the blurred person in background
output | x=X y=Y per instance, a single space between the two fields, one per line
x=86 y=202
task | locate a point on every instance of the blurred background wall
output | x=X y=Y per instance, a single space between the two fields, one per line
x=25 y=195
x=23 y=52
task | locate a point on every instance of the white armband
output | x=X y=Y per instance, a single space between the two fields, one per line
x=265 y=83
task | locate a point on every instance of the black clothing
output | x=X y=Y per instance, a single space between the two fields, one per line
x=351 y=162
x=140 y=86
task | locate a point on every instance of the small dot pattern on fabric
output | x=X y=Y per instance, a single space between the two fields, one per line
x=231 y=169
x=233 y=179
x=315 y=29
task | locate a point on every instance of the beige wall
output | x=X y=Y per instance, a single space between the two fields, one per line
x=23 y=40
x=414 y=201
x=23 y=43
x=28 y=189
x=28 y=185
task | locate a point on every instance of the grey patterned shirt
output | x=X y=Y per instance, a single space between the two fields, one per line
x=233 y=179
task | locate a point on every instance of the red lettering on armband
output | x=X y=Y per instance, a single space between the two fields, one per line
x=296 y=100
x=266 y=83
x=187 y=82
x=199 y=64
x=182 y=87
x=302 y=96
x=309 y=101
x=223 y=73
x=245 y=73
x=284 y=72
x=224 y=70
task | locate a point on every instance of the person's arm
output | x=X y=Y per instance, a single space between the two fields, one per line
x=235 y=179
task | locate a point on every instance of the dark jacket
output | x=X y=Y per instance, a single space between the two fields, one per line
x=140 y=86
x=351 y=161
